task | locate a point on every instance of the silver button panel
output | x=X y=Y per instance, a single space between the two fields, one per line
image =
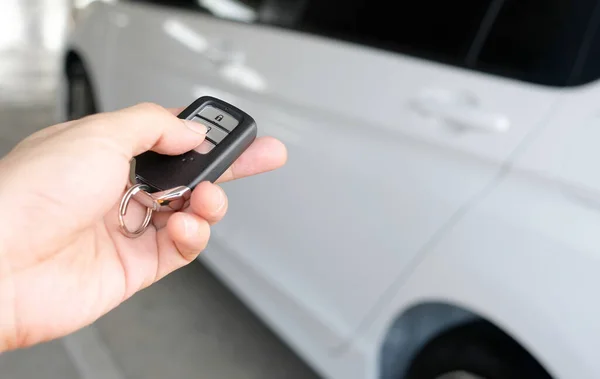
x=214 y=133
x=219 y=117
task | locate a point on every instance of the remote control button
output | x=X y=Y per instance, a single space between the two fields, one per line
x=216 y=135
x=202 y=121
x=213 y=133
x=219 y=117
x=205 y=147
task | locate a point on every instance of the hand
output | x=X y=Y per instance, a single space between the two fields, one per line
x=63 y=260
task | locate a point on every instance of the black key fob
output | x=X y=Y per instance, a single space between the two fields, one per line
x=230 y=132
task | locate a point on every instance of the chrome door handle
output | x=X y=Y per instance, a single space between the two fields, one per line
x=461 y=114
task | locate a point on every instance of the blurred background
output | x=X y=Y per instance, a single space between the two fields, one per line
x=188 y=325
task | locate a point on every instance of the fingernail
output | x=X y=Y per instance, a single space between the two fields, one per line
x=195 y=126
x=220 y=199
x=188 y=227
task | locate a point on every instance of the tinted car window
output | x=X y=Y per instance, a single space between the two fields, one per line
x=444 y=30
x=589 y=68
x=537 y=40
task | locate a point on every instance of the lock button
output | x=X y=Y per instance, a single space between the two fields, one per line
x=219 y=117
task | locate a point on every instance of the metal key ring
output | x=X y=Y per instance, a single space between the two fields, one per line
x=123 y=211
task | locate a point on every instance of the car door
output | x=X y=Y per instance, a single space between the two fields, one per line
x=566 y=150
x=395 y=116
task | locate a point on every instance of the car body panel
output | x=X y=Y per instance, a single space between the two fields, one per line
x=525 y=257
x=567 y=149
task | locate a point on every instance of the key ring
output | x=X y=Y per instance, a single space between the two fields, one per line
x=132 y=191
x=170 y=200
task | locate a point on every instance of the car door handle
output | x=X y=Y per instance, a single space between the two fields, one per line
x=461 y=113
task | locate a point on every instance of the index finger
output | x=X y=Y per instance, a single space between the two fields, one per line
x=146 y=126
x=176 y=111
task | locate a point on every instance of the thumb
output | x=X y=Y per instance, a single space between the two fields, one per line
x=149 y=126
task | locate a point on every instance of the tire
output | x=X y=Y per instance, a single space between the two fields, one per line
x=475 y=351
x=80 y=95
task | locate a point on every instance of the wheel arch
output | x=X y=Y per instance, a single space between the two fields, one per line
x=71 y=57
x=68 y=57
x=411 y=331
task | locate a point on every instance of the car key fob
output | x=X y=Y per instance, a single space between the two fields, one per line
x=230 y=133
x=164 y=182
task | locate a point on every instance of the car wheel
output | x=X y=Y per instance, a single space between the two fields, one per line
x=475 y=351
x=80 y=95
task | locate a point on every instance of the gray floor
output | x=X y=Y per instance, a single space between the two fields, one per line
x=186 y=326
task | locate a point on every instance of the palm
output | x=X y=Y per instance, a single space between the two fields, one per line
x=95 y=267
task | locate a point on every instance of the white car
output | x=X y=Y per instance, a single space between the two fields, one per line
x=439 y=215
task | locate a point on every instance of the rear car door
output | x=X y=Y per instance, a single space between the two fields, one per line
x=395 y=115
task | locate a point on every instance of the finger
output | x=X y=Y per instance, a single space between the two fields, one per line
x=160 y=219
x=184 y=238
x=209 y=202
x=265 y=154
x=176 y=111
x=149 y=126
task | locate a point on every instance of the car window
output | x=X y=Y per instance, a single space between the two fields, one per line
x=537 y=40
x=443 y=31
x=284 y=13
x=588 y=69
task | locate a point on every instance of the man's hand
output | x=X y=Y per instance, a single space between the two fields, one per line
x=63 y=260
